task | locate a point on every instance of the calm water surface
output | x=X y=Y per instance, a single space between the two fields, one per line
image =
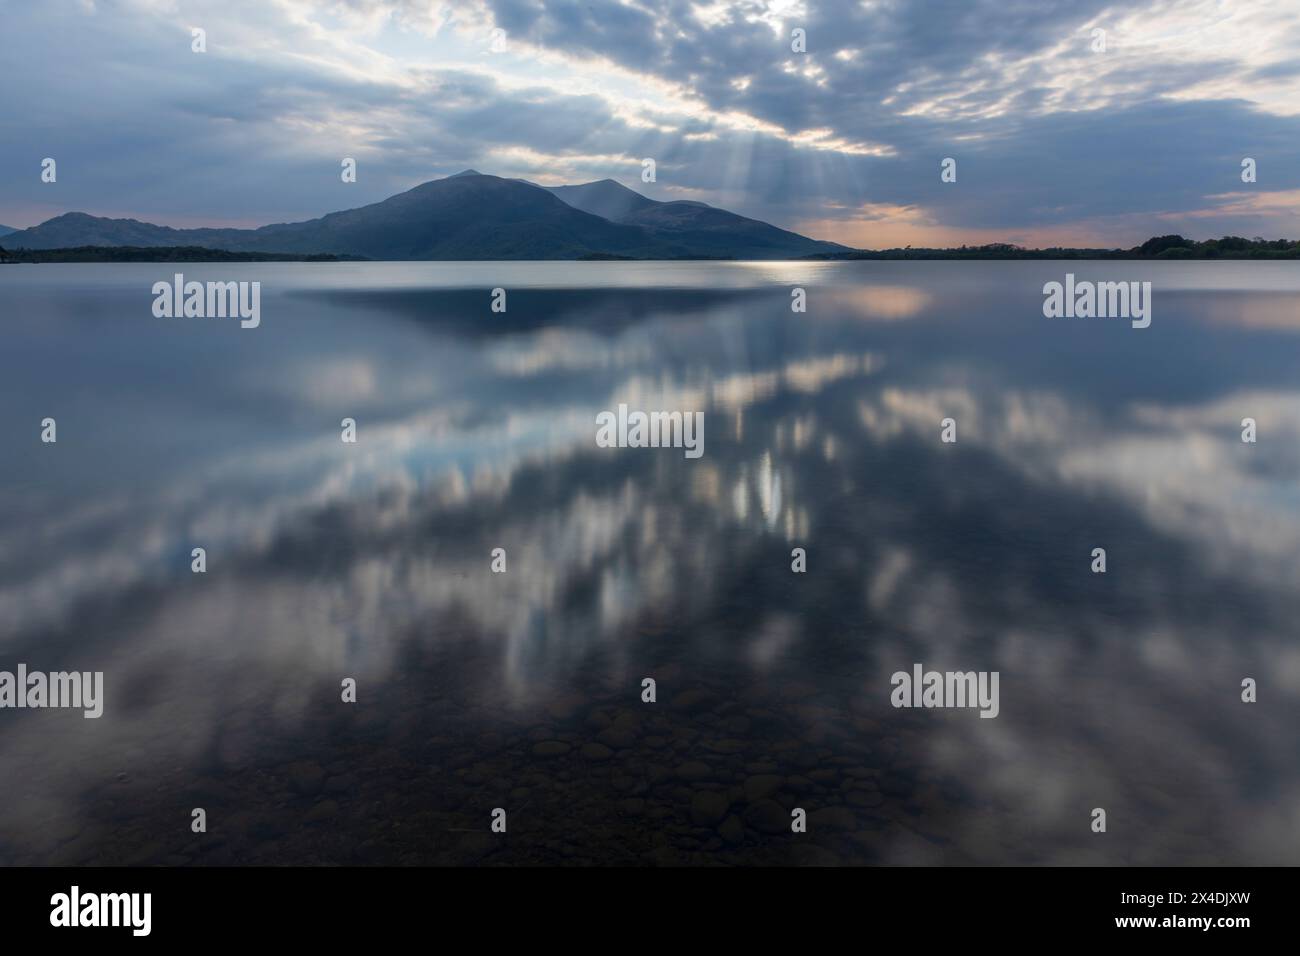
x=522 y=690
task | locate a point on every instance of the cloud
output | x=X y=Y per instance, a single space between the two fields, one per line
x=1052 y=138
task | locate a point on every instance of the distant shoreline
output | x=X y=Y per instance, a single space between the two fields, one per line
x=1164 y=248
x=156 y=254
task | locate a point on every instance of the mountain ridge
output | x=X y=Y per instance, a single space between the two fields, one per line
x=468 y=216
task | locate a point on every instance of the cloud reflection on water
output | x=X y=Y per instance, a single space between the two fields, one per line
x=822 y=432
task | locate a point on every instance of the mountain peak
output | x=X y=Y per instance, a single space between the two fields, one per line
x=604 y=197
x=465 y=172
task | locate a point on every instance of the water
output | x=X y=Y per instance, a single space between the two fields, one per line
x=522 y=690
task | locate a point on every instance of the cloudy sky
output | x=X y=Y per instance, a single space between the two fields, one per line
x=1055 y=141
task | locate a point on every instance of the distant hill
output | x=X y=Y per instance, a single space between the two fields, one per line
x=5 y=230
x=468 y=216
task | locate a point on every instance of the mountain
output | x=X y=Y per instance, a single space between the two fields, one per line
x=469 y=216
x=5 y=230
x=705 y=230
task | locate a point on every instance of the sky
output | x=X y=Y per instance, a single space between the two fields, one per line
x=1061 y=135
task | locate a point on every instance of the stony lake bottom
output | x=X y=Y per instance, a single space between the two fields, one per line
x=522 y=690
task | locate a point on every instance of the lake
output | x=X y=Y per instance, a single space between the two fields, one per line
x=522 y=690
